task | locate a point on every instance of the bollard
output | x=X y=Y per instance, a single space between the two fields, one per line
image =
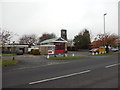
x=66 y=55
x=48 y=56
x=105 y=51
x=96 y=53
x=73 y=54
x=13 y=58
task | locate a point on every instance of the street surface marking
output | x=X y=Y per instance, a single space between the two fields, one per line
x=111 y=65
x=45 y=80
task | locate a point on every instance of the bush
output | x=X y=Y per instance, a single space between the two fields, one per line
x=35 y=52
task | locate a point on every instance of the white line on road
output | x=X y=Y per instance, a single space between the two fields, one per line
x=112 y=65
x=45 y=80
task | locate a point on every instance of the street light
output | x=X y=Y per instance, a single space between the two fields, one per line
x=104 y=28
x=107 y=50
x=104 y=22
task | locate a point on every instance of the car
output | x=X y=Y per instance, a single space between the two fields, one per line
x=19 y=52
x=94 y=50
x=115 y=49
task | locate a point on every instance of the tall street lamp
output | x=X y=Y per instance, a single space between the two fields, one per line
x=107 y=50
x=104 y=27
x=104 y=22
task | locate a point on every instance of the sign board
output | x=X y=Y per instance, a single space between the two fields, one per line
x=59 y=54
x=51 y=50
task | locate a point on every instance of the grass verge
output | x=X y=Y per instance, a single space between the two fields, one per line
x=66 y=58
x=8 y=54
x=7 y=63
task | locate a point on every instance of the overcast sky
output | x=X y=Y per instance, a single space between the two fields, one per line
x=33 y=16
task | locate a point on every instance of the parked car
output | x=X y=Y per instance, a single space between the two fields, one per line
x=115 y=49
x=94 y=50
x=19 y=52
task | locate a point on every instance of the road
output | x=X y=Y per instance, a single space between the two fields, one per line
x=91 y=72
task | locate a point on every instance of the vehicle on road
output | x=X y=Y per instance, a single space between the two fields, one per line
x=115 y=49
x=94 y=50
x=19 y=52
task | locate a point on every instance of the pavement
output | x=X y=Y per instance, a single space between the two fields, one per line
x=91 y=72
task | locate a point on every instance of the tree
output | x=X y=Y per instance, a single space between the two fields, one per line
x=105 y=40
x=82 y=40
x=28 y=39
x=5 y=36
x=46 y=36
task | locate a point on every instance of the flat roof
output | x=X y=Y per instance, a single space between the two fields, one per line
x=47 y=45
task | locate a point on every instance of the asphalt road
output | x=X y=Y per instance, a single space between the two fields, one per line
x=91 y=72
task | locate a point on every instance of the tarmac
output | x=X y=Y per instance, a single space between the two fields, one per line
x=34 y=61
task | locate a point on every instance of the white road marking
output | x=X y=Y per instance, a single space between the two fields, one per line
x=45 y=80
x=112 y=65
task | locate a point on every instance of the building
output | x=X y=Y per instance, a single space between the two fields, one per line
x=59 y=43
x=117 y=42
x=13 y=48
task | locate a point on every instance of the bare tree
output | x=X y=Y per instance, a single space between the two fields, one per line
x=46 y=36
x=105 y=39
x=28 y=39
x=5 y=36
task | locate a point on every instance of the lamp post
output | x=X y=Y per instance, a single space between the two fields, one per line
x=104 y=22
x=104 y=27
x=106 y=48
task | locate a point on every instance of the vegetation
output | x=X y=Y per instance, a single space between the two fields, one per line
x=35 y=52
x=105 y=39
x=8 y=54
x=66 y=58
x=7 y=63
x=5 y=36
x=46 y=36
x=82 y=40
x=28 y=39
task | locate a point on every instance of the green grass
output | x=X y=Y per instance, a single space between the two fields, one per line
x=8 y=54
x=7 y=63
x=66 y=58
x=110 y=53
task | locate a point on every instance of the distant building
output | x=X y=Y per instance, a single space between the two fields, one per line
x=13 y=48
x=58 y=42
x=117 y=42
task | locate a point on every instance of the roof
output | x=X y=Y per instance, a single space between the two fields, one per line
x=48 y=40
x=54 y=40
x=117 y=41
x=15 y=45
x=47 y=45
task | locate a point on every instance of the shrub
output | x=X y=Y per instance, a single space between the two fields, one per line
x=35 y=52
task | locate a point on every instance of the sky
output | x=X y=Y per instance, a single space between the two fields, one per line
x=50 y=16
